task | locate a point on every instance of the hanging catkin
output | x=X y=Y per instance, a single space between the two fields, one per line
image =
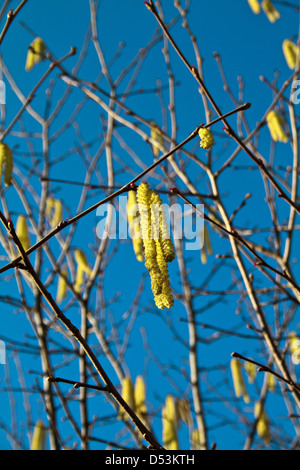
x=38 y=441
x=54 y=208
x=262 y=426
x=158 y=248
x=140 y=398
x=61 y=287
x=291 y=53
x=275 y=124
x=82 y=268
x=128 y=395
x=134 y=225
x=158 y=141
x=6 y=163
x=36 y=53
x=143 y=197
x=238 y=380
x=22 y=232
x=169 y=419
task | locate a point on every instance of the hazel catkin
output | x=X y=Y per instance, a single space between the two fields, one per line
x=22 y=232
x=134 y=225
x=6 y=163
x=158 y=141
x=35 y=54
x=158 y=248
x=38 y=441
x=206 y=138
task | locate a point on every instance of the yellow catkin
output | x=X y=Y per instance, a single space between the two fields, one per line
x=238 y=380
x=160 y=228
x=82 y=268
x=22 y=232
x=128 y=395
x=2 y=158
x=294 y=347
x=271 y=12
x=61 y=287
x=206 y=138
x=203 y=255
x=165 y=298
x=293 y=342
x=79 y=279
x=251 y=370
x=81 y=260
x=54 y=208
x=171 y=409
x=143 y=197
x=255 y=6
x=8 y=167
x=6 y=163
x=49 y=205
x=157 y=139
x=35 y=54
x=134 y=225
x=39 y=436
x=58 y=213
x=262 y=426
x=184 y=412
x=291 y=53
x=164 y=250
x=140 y=398
x=197 y=440
x=156 y=252
x=275 y=125
x=169 y=433
x=271 y=382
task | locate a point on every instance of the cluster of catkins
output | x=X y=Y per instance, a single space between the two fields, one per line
x=157 y=246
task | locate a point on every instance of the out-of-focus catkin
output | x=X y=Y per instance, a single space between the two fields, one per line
x=262 y=426
x=134 y=225
x=6 y=163
x=255 y=6
x=169 y=419
x=140 y=398
x=291 y=53
x=238 y=380
x=54 y=208
x=271 y=382
x=206 y=248
x=128 y=395
x=158 y=141
x=275 y=124
x=82 y=268
x=158 y=248
x=22 y=232
x=251 y=370
x=61 y=287
x=35 y=54
x=271 y=12
x=197 y=440
x=294 y=347
x=183 y=410
x=39 y=436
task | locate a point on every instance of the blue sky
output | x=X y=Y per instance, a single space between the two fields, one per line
x=249 y=45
